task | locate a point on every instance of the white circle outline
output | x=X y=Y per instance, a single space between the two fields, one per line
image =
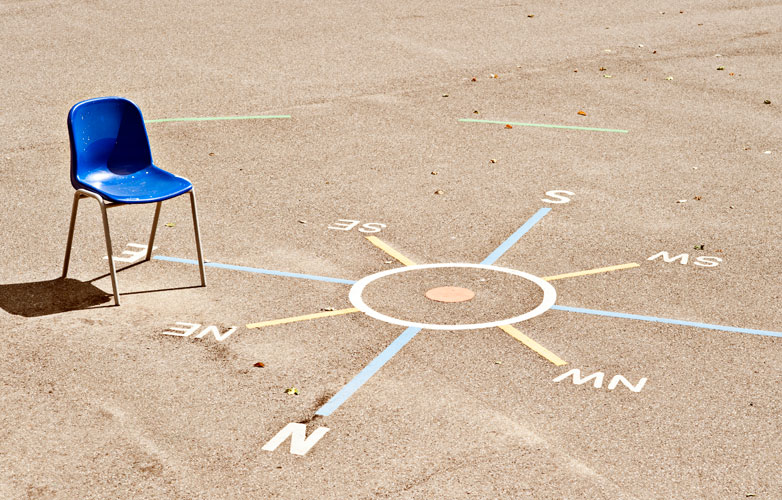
x=549 y=297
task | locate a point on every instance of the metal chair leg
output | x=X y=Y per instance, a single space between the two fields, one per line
x=154 y=228
x=76 y=198
x=197 y=237
x=108 y=251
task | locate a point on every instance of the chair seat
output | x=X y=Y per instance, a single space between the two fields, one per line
x=147 y=185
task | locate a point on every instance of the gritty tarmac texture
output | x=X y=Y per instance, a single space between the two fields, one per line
x=97 y=402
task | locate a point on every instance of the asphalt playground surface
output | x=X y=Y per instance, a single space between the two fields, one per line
x=442 y=128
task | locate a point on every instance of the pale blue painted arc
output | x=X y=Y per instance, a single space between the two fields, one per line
x=213 y=118
x=365 y=374
x=257 y=270
x=653 y=319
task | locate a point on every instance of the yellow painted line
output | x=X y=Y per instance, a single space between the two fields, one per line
x=533 y=345
x=306 y=317
x=390 y=251
x=592 y=271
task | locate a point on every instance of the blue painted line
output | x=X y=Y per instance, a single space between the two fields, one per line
x=365 y=374
x=256 y=270
x=668 y=321
x=495 y=255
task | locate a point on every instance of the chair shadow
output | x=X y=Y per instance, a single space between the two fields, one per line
x=42 y=298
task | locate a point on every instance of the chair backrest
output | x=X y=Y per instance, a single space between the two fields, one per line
x=107 y=137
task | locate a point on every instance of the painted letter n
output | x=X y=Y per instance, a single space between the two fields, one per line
x=300 y=443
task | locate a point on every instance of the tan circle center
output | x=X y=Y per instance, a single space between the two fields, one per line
x=450 y=294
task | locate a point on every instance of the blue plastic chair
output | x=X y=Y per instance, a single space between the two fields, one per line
x=111 y=162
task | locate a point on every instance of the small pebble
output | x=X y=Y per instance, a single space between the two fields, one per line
x=439 y=191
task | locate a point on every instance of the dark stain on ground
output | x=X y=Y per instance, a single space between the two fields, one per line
x=220 y=352
x=318 y=403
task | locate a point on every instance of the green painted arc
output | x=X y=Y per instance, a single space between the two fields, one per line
x=571 y=127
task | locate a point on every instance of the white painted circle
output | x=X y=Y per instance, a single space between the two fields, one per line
x=549 y=297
